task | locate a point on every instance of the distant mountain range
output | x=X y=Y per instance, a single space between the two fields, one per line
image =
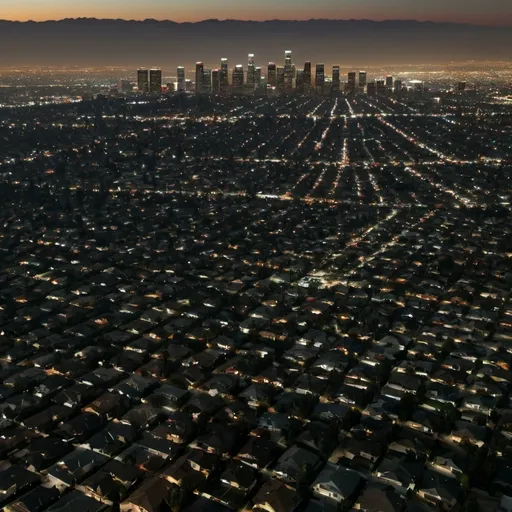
x=90 y=41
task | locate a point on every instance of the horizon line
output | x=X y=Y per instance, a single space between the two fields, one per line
x=167 y=20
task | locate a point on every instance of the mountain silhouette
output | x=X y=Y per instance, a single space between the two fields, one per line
x=167 y=44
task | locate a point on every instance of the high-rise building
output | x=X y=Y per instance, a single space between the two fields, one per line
x=251 y=72
x=320 y=77
x=272 y=74
x=381 y=88
x=206 y=86
x=280 y=78
x=417 y=86
x=307 y=77
x=224 y=75
x=288 y=71
x=216 y=81
x=143 y=80
x=257 y=73
x=155 y=81
x=238 y=79
x=371 y=89
x=180 y=73
x=299 y=80
x=199 y=77
x=389 y=83
x=336 y=78
x=398 y=87
x=351 y=83
x=171 y=87
x=362 y=80
x=125 y=86
x=461 y=87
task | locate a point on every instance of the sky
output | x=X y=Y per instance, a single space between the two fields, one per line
x=485 y=12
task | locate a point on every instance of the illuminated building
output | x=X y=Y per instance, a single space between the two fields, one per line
x=362 y=81
x=272 y=74
x=206 y=86
x=461 y=87
x=180 y=73
x=307 y=76
x=251 y=72
x=389 y=83
x=224 y=76
x=381 y=88
x=238 y=78
x=398 y=86
x=417 y=86
x=216 y=81
x=155 y=81
x=199 y=77
x=336 y=78
x=371 y=89
x=143 y=80
x=288 y=71
x=280 y=78
x=351 y=83
x=171 y=87
x=320 y=77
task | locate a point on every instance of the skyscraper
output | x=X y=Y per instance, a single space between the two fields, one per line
x=307 y=77
x=288 y=71
x=180 y=73
x=155 y=81
x=238 y=79
x=216 y=81
x=143 y=81
x=251 y=72
x=280 y=78
x=206 y=86
x=299 y=80
x=335 y=78
x=223 y=77
x=371 y=89
x=351 y=84
x=389 y=83
x=461 y=87
x=199 y=77
x=272 y=74
x=381 y=88
x=362 y=80
x=258 y=77
x=320 y=77
x=398 y=87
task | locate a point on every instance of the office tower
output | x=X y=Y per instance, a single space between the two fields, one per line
x=189 y=85
x=272 y=74
x=320 y=77
x=288 y=71
x=389 y=83
x=351 y=83
x=371 y=89
x=362 y=80
x=307 y=76
x=155 y=81
x=335 y=78
x=251 y=72
x=381 y=88
x=461 y=87
x=398 y=86
x=143 y=81
x=199 y=77
x=216 y=81
x=180 y=73
x=280 y=78
x=224 y=77
x=206 y=86
x=171 y=87
x=257 y=74
x=299 y=80
x=238 y=78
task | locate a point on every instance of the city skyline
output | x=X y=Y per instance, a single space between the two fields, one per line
x=492 y=12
